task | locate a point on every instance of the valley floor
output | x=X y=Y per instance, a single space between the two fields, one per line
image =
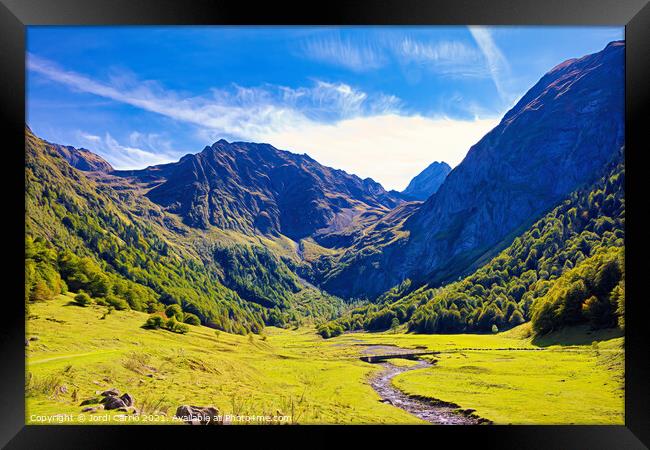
x=298 y=377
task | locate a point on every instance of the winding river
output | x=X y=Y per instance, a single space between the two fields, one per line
x=431 y=411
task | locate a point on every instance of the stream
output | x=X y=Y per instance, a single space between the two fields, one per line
x=431 y=411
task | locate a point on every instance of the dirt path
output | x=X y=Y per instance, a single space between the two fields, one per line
x=76 y=355
x=429 y=410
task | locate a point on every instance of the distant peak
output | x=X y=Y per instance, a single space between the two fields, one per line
x=427 y=182
x=616 y=44
x=609 y=47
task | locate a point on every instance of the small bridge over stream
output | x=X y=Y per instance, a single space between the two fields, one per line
x=381 y=358
x=414 y=355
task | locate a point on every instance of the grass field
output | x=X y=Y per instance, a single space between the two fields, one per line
x=298 y=374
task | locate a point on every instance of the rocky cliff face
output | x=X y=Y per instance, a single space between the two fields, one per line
x=427 y=182
x=558 y=137
x=258 y=188
x=83 y=159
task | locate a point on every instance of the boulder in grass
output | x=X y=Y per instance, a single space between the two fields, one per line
x=111 y=402
x=128 y=409
x=198 y=415
x=92 y=409
x=111 y=392
x=128 y=399
x=91 y=401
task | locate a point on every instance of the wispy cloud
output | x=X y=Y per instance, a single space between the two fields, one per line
x=335 y=123
x=235 y=111
x=334 y=50
x=455 y=58
x=443 y=57
x=128 y=156
x=497 y=63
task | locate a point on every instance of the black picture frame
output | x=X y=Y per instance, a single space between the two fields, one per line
x=15 y=15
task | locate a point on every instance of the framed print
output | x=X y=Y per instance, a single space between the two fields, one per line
x=239 y=219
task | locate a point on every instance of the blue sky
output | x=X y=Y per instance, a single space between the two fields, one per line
x=380 y=102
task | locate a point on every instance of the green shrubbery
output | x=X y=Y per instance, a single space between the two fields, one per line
x=118 y=303
x=82 y=299
x=330 y=330
x=173 y=322
x=174 y=311
x=154 y=322
x=191 y=319
x=40 y=292
x=175 y=326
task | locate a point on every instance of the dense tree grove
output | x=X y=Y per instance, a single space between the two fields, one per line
x=567 y=268
x=257 y=275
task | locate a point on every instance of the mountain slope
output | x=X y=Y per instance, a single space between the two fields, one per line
x=557 y=138
x=82 y=159
x=96 y=232
x=256 y=188
x=427 y=182
x=566 y=269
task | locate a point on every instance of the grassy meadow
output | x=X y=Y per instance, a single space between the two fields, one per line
x=78 y=351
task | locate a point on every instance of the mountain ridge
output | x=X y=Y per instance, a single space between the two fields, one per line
x=258 y=188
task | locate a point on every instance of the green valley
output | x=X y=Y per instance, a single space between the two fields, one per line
x=79 y=351
x=257 y=283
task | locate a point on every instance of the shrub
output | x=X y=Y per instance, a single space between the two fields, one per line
x=174 y=311
x=175 y=326
x=181 y=328
x=495 y=329
x=108 y=312
x=82 y=299
x=40 y=292
x=191 y=319
x=117 y=302
x=154 y=322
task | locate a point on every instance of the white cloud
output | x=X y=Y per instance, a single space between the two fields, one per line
x=453 y=58
x=497 y=64
x=336 y=51
x=336 y=124
x=244 y=116
x=121 y=156
x=389 y=148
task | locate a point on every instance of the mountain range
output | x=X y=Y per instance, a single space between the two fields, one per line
x=257 y=188
x=244 y=234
